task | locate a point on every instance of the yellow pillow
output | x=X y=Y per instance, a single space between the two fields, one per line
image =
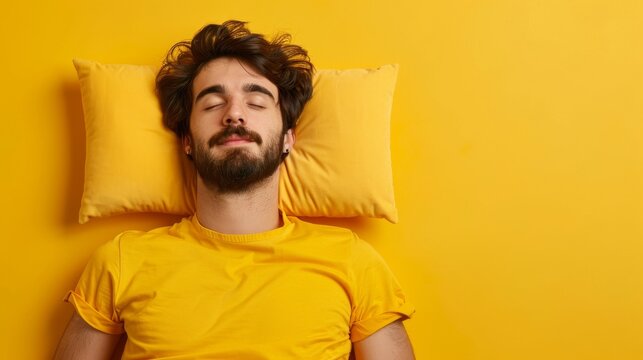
x=340 y=166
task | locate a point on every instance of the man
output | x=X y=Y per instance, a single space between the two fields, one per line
x=239 y=279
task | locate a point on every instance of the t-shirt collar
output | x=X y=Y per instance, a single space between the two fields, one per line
x=242 y=238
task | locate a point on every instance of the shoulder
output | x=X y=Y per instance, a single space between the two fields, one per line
x=341 y=239
x=136 y=241
x=138 y=237
x=328 y=231
x=323 y=235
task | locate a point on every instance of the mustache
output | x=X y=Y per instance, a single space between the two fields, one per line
x=241 y=131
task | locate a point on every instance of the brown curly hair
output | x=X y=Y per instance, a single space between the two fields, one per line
x=285 y=65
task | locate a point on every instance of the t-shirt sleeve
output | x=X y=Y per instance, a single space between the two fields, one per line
x=378 y=299
x=94 y=295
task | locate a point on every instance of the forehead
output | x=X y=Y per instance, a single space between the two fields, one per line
x=231 y=73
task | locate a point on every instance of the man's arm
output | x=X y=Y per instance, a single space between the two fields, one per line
x=389 y=343
x=81 y=341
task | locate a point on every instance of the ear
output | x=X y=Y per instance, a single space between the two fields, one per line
x=289 y=141
x=186 y=141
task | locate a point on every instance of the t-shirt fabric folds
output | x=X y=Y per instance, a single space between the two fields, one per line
x=301 y=291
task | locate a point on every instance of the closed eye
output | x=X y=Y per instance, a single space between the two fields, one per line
x=256 y=106
x=213 y=106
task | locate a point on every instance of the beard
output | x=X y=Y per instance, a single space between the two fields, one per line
x=238 y=170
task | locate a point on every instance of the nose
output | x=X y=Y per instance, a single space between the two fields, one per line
x=234 y=115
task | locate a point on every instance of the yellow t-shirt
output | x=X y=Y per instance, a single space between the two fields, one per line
x=301 y=291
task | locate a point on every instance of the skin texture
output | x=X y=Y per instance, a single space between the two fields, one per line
x=389 y=343
x=235 y=106
x=226 y=95
x=81 y=341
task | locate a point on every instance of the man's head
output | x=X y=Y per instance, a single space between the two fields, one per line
x=233 y=97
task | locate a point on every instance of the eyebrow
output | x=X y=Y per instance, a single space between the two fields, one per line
x=220 y=89
x=215 y=89
x=258 y=88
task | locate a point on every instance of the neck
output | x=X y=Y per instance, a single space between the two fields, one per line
x=253 y=211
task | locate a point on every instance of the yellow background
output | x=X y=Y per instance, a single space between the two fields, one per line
x=517 y=140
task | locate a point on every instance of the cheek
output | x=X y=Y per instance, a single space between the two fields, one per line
x=194 y=122
x=273 y=121
x=204 y=125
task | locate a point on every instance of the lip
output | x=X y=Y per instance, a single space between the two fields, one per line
x=235 y=140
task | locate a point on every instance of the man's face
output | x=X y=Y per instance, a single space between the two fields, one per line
x=235 y=126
